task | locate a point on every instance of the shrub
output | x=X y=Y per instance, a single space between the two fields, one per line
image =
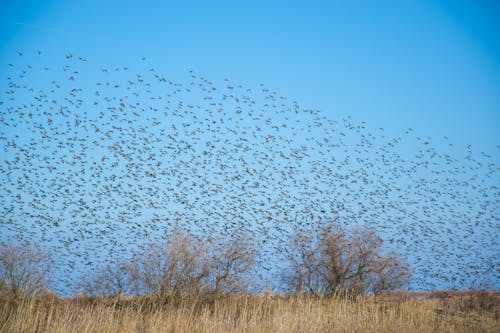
x=182 y=265
x=349 y=262
x=24 y=270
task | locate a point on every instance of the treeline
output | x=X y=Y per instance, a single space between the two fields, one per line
x=328 y=262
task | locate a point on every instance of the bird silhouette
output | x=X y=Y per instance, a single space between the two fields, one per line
x=98 y=162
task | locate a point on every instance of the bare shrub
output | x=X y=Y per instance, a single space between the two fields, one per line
x=338 y=261
x=112 y=280
x=230 y=261
x=178 y=266
x=182 y=265
x=24 y=270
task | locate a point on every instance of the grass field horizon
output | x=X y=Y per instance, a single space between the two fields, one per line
x=394 y=312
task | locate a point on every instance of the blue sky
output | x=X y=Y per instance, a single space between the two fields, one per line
x=433 y=66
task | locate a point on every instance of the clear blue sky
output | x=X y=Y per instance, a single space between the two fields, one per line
x=430 y=65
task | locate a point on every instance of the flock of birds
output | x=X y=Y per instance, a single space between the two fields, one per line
x=97 y=162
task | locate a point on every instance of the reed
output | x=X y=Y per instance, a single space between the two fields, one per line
x=252 y=313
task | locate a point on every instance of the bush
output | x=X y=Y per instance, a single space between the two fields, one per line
x=348 y=262
x=24 y=270
x=182 y=265
x=112 y=280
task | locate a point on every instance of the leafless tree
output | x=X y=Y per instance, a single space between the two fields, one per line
x=24 y=270
x=182 y=265
x=337 y=261
x=112 y=280
x=178 y=266
x=230 y=263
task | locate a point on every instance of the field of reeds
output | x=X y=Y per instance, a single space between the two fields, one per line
x=436 y=312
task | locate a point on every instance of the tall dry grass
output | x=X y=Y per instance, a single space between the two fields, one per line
x=251 y=313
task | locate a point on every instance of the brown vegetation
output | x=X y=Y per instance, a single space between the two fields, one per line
x=340 y=261
x=247 y=313
x=24 y=270
x=189 y=285
x=182 y=265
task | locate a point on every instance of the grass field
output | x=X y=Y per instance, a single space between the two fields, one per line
x=436 y=312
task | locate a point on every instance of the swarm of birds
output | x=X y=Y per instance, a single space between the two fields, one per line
x=97 y=162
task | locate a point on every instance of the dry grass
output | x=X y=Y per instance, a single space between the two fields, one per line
x=254 y=313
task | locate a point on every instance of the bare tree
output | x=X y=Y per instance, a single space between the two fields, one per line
x=24 y=270
x=182 y=265
x=390 y=273
x=230 y=263
x=112 y=280
x=337 y=261
x=178 y=266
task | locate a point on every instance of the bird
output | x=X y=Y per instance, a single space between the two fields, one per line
x=97 y=168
